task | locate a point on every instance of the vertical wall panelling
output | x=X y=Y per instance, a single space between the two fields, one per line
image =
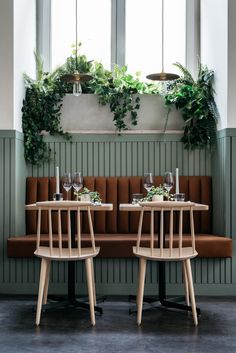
x=224 y=195
x=129 y=154
x=2 y=209
x=124 y=155
x=12 y=199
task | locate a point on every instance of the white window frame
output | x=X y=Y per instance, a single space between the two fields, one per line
x=118 y=33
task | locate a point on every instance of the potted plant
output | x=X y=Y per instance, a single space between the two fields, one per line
x=195 y=99
x=87 y=195
x=156 y=193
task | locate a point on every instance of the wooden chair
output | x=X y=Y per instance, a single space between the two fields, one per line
x=162 y=253
x=66 y=252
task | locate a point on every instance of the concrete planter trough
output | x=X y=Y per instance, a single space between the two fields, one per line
x=85 y=114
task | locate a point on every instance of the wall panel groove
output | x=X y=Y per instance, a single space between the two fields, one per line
x=111 y=155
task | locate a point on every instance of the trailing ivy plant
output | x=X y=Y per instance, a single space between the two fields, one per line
x=41 y=112
x=43 y=100
x=198 y=107
x=119 y=89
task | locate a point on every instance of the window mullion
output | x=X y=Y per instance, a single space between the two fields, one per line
x=118 y=32
x=113 y=33
x=44 y=31
x=192 y=35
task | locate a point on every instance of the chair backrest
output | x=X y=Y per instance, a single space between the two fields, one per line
x=168 y=207
x=118 y=190
x=54 y=210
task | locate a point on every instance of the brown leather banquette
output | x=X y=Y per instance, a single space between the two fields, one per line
x=116 y=231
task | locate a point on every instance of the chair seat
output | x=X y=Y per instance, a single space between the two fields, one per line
x=187 y=253
x=44 y=252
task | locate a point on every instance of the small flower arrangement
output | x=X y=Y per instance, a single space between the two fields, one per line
x=87 y=195
x=156 y=193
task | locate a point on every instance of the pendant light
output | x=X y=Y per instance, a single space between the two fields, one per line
x=76 y=78
x=162 y=76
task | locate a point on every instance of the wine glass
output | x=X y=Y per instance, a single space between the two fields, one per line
x=77 y=182
x=168 y=182
x=67 y=183
x=148 y=181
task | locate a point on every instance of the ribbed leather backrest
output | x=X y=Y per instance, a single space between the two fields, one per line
x=118 y=190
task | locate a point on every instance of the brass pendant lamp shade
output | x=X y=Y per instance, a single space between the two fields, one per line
x=76 y=78
x=162 y=76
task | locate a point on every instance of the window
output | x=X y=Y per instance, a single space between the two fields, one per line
x=94 y=30
x=144 y=35
x=118 y=31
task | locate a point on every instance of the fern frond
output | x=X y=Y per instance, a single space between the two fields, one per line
x=54 y=74
x=211 y=130
x=186 y=73
x=39 y=65
x=214 y=110
x=28 y=80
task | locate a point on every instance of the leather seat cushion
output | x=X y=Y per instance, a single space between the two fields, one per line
x=120 y=245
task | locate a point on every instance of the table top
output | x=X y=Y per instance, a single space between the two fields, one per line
x=158 y=205
x=73 y=205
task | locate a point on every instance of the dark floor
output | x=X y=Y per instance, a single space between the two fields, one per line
x=162 y=330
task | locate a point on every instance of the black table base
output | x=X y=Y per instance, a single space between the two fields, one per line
x=162 y=300
x=70 y=304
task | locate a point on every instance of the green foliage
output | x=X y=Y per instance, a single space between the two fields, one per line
x=156 y=190
x=197 y=104
x=119 y=89
x=41 y=112
x=43 y=101
x=94 y=195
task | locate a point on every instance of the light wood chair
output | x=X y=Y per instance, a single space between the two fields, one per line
x=66 y=252
x=162 y=253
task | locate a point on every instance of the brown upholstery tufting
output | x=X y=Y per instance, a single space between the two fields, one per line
x=116 y=231
x=120 y=190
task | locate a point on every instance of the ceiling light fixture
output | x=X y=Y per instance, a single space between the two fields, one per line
x=162 y=76
x=76 y=78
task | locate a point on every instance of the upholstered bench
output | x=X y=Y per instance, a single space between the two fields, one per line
x=116 y=231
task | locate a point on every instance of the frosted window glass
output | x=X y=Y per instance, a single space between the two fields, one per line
x=144 y=35
x=94 y=30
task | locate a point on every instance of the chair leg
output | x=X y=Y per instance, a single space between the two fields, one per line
x=186 y=284
x=93 y=281
x=90 y=289
x=41 y=289
x=191 y=291
x=45 y=292
x=142 y=273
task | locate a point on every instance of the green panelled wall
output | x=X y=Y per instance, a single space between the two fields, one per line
x=12 y=189
x=224 y=186
x=129 y=154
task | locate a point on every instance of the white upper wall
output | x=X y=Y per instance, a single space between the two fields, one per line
x=232 y=65
x=17 y=43
x=214 y=50
x=24 y=46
